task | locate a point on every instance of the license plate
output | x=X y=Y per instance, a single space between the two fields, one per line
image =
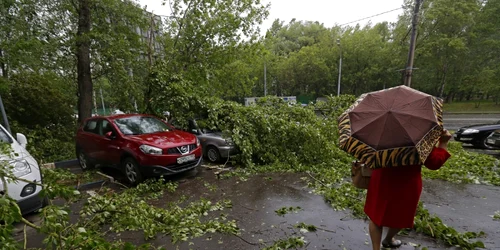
x=186 y=158
x=491 y=141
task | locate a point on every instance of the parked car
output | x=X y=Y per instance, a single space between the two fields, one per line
x=476 y=134
x=216 y=147
x=494 y=139
x=24 y=166
x=139 y=145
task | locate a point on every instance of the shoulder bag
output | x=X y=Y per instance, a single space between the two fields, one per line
x=360 y=175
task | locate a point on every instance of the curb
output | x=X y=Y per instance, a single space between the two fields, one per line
x=61 y=164
x=74 y=163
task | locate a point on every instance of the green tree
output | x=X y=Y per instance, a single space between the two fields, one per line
x=307 y=72
x=367 y=59
x=285 y=39
x=299 y=58
x=30 y=37
x=113 y=47
x=442 y=43
x=204 y=37
x=484 y=52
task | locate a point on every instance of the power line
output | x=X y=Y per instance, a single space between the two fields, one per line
x=372 y=16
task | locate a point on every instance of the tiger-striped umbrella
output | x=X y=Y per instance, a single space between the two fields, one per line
x=392 y=127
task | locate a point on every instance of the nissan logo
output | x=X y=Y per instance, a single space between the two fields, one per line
x=184 y=149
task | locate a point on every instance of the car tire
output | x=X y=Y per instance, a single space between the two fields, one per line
x=132 y=171
x=83 y=160
x=213 y=154
x=482 y=143
x=45 y=201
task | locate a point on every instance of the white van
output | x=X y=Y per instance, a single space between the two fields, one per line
x=25 y=167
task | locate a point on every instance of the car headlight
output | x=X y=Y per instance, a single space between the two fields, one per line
x=150 y=150
x=229 y=141
x=470 y=131
x=197 y=142
x=20 y=168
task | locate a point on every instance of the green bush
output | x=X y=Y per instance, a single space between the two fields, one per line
x=37 y=106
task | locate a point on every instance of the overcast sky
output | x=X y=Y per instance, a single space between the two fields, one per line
x=328 y=12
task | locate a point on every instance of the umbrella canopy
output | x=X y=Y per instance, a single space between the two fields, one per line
x=392 y=127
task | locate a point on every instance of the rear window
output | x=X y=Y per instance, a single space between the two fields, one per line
x=4 y=136
x=91 y=126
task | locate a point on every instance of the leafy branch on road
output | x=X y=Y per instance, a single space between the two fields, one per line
x=285 y=210
x=117 y=210
x=496 y=216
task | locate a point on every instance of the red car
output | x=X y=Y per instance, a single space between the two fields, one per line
x=139 y=145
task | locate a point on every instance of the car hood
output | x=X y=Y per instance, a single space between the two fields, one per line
x=15 y=152
x=166 y=139
x=483 y=126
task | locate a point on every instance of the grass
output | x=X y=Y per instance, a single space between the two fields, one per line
x=483 y=106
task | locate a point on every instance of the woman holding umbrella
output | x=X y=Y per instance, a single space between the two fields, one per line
x=394 y=193
x=394 y=132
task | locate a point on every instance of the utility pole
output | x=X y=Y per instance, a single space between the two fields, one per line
x=340 y=67
x=265 y=79
x=411 y=53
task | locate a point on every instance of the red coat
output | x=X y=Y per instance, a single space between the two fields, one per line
x=394 y=193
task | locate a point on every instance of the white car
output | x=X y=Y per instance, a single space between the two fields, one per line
x=25 y=167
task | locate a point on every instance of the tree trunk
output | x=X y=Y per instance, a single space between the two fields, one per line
x=3 y=66
x=84 y=77
x=443 y=82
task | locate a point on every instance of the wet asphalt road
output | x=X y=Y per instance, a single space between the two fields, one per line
x=465 y=207
x=456 y=121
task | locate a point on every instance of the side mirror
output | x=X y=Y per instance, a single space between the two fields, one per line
x=195 y=131
x=21 y=139
x=110 y=135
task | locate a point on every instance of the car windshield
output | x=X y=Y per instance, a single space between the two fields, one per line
x=138 y=125
x=4 y=137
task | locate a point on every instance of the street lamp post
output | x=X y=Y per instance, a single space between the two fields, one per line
x=340 y=67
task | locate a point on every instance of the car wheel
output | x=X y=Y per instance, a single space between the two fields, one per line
x=45 y=201
x=85 y=163
x=132 y=172
x=483 y=145
x=213 y=154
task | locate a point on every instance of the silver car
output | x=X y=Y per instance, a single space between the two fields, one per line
x=215 y=146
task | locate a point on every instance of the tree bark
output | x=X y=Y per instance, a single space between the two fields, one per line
x=84 y=77
x=443 y=82
x=3 y=66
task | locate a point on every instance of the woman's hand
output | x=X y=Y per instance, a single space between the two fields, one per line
x=443 y=140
